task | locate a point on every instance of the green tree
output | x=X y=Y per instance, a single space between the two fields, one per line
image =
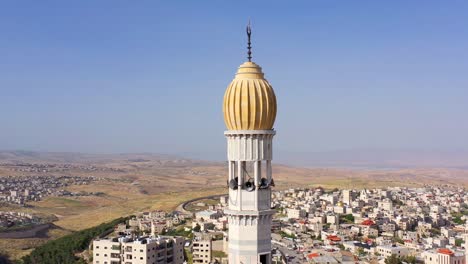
x=197 y=228
x=410 y=259
x=393 y=259
x=360 y=251
x=349 y=218
x=62 y=250
x=435 y=231
x=457 y=219
x=284 y=234
x=398 y=240
x=4 y=258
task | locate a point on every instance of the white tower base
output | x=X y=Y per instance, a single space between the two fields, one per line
x=249 y=213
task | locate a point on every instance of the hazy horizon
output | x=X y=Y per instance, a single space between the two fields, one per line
x=115 y=77
x=352 y=159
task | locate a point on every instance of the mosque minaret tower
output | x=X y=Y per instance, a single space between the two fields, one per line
x=249 y=113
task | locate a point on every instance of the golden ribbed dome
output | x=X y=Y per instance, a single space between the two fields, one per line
x=249 y=101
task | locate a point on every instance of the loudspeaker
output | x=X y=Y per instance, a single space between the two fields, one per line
x=233 y=184
x=249 y=185
x=263 y=183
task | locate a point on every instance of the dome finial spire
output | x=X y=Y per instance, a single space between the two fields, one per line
x=249 y=48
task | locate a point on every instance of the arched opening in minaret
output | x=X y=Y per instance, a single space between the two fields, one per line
x=249 y=170
x=264 y=258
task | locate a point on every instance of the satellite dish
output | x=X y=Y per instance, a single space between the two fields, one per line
x=263 y=183
x=249 y=185
x=233 y=183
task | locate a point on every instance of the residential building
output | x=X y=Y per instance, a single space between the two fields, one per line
x=142 y=250
x=387 y=251
x=443 y=256
x=202 y=249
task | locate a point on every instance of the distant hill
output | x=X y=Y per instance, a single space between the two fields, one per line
x=153 y=173
x=86 y=158
x=378 y=159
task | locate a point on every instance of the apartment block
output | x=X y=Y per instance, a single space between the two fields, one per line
x=142 y=250
x=202 y=249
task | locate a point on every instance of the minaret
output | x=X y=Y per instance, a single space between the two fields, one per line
x=466 y=242
x=249 y=113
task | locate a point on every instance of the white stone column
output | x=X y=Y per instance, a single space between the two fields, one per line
x=268 y=170
x=230 y=171
x=257 y=181
x=240 y=182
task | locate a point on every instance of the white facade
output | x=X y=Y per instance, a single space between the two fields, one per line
x=348 y=197
x=201 y=250
x=296 y=213
x=387 y=251
x=443 y=256
x=386 y=205
x=249 y=211
x=106 y=251
x=139 y=251
x=333 y=219
x=466 y=242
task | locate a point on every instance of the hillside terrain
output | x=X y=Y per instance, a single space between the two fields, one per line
x=129 y=183
x=154 y=173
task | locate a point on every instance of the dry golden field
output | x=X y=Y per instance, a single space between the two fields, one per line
x=145 y=182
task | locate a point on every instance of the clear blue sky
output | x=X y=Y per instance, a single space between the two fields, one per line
x=149 y=76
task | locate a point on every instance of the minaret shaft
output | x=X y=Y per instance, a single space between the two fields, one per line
x=249 y=210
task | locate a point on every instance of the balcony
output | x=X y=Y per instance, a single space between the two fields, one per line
x=115 y=247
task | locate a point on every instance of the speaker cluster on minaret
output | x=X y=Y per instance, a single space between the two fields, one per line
x=250 y=185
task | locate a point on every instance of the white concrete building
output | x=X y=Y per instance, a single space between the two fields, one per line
x=106 y=251
x=202 y=249
x=386 y=205
x=466 y=242
x=295 y=213
x=387 y=251
x=333 y=219
x=348 y=196
x=443 y=256
x=144 y=250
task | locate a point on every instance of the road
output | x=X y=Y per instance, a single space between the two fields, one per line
x=294 y=256
x=181 y=207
